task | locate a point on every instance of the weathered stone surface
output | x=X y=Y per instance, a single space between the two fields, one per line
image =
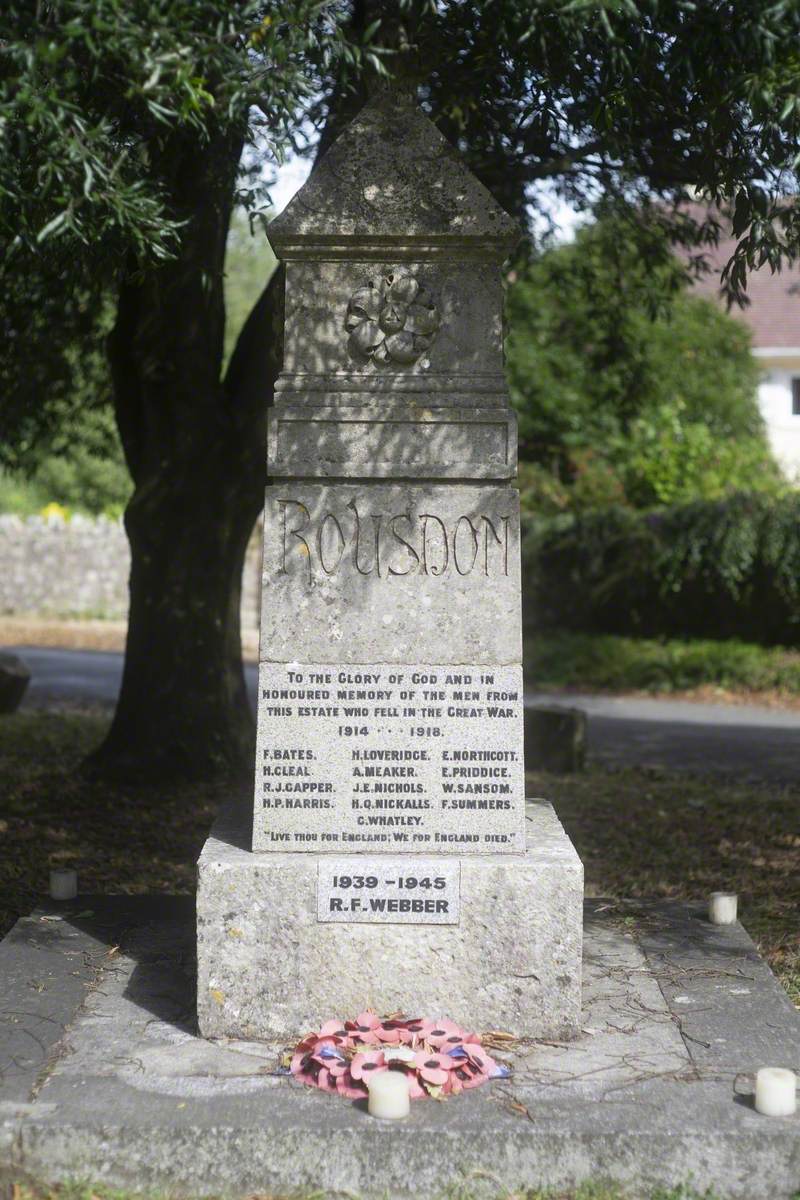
x=268 y=968
x=390 y=687
x=443 y=587
x=555 y=738
x=323 y=340
x=14 y=679
x=402 y=303
x=391 y=176
x=392 y=442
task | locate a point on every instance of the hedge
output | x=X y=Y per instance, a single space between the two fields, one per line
x=726 y=569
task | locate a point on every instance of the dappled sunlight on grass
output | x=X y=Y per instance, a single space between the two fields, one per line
x=120 y=838
x=648 y=833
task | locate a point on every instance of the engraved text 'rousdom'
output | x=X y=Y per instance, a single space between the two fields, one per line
x=386 y=544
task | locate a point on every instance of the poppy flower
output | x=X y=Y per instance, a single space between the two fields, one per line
x=300 y=1059
x=465 y=1077
x=351 y=1091
x=414 y=1030
x=362 y=1029
x=388 y=1031
x=309 y=1077
x=366 y=1063
x=415 y=1089
x=437 y=1058
x=477 y=1056
x=327 y=1050
x=444 y=1031
x=433 y=1068
x=326 y=1081
x=333 y=1029
x=477 y=1068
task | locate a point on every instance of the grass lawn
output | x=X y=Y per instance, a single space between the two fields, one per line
x=725 y=671
x=120 y=838
x=639 y=832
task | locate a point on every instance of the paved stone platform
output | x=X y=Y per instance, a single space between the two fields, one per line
x=102 y=1076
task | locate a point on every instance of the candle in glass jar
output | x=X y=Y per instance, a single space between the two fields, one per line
x=776 y=1092
x=388 y=1095
x=722 y=908
x=63 y=883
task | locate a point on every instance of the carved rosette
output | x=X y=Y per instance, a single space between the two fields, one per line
x=393 y=319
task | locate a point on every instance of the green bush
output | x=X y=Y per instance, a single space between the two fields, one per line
x=85 y=482
x=630 y=389
x=727 y=569
x=87 y=474
x=603 y=662
x=20 y=495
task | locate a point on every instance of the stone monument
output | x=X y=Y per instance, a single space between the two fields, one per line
x=392 y=860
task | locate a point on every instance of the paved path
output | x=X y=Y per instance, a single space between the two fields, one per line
x=739 y=740
x=733 y=739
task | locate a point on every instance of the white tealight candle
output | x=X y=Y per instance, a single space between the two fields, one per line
x=388 y=1095
x=63 y=884
x=722 y=908
x=776 y=1092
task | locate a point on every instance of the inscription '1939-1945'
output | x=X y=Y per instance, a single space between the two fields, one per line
x=381 y=544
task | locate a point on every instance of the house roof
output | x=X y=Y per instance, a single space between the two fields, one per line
x=773 y=314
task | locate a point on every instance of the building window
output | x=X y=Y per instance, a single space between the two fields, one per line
x=796 y=397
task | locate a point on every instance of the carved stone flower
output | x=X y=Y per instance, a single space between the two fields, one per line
x=393 y=319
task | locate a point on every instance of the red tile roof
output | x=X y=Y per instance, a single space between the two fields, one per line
x=773 y=314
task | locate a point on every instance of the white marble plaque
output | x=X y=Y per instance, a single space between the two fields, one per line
x=418 y=891
x=419 y=759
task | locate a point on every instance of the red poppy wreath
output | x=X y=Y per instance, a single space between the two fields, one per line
x=438 y=1057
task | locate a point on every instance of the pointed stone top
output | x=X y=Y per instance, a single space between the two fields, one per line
x=392 y=178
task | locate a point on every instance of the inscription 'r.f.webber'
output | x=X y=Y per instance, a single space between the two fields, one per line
x=402 y=543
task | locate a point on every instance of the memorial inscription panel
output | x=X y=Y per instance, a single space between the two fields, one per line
x=391 y=573
x=420 y=758
x=397 y=891
x=390 y=686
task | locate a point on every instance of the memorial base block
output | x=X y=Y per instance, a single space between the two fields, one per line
x=269 y=969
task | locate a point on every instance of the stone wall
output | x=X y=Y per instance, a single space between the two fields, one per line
x=79 y=568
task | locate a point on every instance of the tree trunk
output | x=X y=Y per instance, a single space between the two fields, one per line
x=196 y=448
x=183 y=709
x=197 y=454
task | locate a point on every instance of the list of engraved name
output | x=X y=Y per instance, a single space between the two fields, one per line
x=390 y=756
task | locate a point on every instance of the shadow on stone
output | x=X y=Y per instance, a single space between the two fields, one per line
x=158 y=932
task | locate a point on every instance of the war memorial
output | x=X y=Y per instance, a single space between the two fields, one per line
x=390 y=860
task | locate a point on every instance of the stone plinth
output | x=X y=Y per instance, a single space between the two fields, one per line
x=267 y=968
